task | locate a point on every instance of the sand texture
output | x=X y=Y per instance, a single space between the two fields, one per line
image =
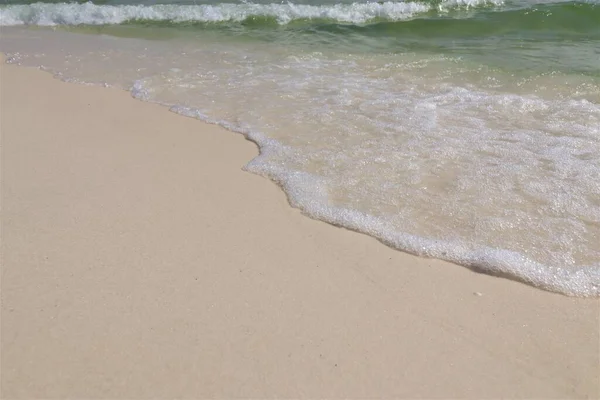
x=140 y=261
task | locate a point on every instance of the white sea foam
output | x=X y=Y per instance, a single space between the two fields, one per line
x=500 y=182
x=310 y=194
x=44 y=14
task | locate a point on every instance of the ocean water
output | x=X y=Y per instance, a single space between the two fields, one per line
x=465 y=130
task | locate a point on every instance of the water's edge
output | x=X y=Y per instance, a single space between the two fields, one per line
x=301 y=191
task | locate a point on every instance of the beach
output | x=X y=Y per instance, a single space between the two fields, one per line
x=140 y=261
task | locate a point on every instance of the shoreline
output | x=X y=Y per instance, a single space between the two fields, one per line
x=138 y=263
x=521 y=263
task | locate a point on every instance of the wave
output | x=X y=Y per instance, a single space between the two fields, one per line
x=44 y=14
x=558 y=19
x=307 y=193
x=406 y=19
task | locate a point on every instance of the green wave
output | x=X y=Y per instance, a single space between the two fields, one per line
x=552 y=20
x=541 y=38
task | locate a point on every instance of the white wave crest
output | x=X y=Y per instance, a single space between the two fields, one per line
x=43 y=14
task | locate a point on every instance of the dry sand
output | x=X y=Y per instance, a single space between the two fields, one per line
x=139 y=260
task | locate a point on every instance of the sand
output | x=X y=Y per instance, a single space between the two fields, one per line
x=139 y=260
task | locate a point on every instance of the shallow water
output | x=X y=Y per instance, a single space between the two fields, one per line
x=467 y=131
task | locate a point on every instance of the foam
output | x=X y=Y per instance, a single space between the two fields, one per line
x=44 y=14
x=309 y=193
x=545 y=140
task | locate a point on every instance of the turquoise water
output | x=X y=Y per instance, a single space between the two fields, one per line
x=466 y=130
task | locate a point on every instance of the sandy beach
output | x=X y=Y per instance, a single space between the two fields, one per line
x=140 y=261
